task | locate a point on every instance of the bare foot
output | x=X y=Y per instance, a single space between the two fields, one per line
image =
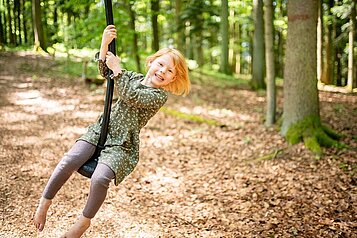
x=78 y=228
x=39 y=219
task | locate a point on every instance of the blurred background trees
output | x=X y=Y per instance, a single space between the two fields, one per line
x=216 y=35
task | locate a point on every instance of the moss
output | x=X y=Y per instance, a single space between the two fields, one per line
x=190 y=117
x=312 y=144
x=331 y=133
x=314 y=135
x=296 y=131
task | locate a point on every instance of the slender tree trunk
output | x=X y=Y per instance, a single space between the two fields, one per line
x=12 y=39
x=199 y=48
x=180 y=36
x=2 y=26
x=17 y=22
x=37 y=25
x=258 y=46
x=224 y=66
x=24 y=19
x=327 y=76
x=270 y=68
x=319 y=40
x=351 y=80
x=155 y=8
x=135 y=36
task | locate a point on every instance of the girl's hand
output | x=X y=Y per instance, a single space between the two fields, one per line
x=109 y=34
x=113 y=63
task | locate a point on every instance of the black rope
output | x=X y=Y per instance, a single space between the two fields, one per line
x=88 y=168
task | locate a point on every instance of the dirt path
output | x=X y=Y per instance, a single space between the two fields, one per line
x=193 y=179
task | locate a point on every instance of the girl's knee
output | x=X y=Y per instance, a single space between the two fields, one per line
x=100 y=180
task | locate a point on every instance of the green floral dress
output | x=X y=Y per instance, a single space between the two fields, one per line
x=137 y=103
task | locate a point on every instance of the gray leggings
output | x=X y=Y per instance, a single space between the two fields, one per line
x=71 y=162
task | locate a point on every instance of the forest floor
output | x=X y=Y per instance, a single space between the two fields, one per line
x=194 y=179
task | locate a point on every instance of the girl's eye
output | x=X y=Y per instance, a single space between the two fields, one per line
x=160 y=64
x=170 y=71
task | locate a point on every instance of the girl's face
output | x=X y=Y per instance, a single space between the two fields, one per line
x=161 y=71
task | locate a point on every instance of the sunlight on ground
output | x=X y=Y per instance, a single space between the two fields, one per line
x=217 y=112
x=160 y=141
x=35 y=102
x=161 y=179
x=11 y=117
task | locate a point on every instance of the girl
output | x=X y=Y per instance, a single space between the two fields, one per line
x=139 y=99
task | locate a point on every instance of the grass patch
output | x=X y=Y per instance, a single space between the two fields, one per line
x=189 y=117
x=217 y=79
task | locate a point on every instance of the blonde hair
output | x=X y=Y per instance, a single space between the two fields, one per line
x=181 y=85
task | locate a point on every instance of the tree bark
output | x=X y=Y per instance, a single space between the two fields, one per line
x=224 y=65
x=351 y=80
x=2 y=26
x=135 y=35
x=300 y=89
x=155 y=7
x=37 y=26
x=258 y=46
x=319 y=40
x=301 y=117
x=270 y=67
x=12 y=39
x=327 y=76
x=180 y=36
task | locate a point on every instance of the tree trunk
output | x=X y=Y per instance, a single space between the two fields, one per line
x=24 y=19
x=327 y=76
x=351 y=80
x=270 y=68
x=258 y=46
x=224 y=66
x=12 y=39
x=17 y=24
x=155 y=7
x=180 y=36
x=2 y=26
x=37 y=26
x=319 y=39
x=135 y=36
x=301 y=118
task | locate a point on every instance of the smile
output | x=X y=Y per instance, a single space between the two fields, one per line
x=159 y=77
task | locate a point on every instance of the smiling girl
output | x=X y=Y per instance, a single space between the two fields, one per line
x=140 y=98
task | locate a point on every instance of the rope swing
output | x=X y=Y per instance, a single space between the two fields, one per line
x=88 y=168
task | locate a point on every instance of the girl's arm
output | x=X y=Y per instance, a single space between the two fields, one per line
x=109 y=34
x=107 y=58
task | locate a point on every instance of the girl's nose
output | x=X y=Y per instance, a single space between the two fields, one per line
x=163 y=70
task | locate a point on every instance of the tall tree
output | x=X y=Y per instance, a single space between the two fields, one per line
x=224 y=66
x=2 y=26
x=270 y=68
x=327 y=75
x=180 y=36
x=301 y=117
x=12 y=39
x=258 y=46
x=155 y=8
x=319 y=38
x=351 y=78
x=132 y=15
x=37 y=26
